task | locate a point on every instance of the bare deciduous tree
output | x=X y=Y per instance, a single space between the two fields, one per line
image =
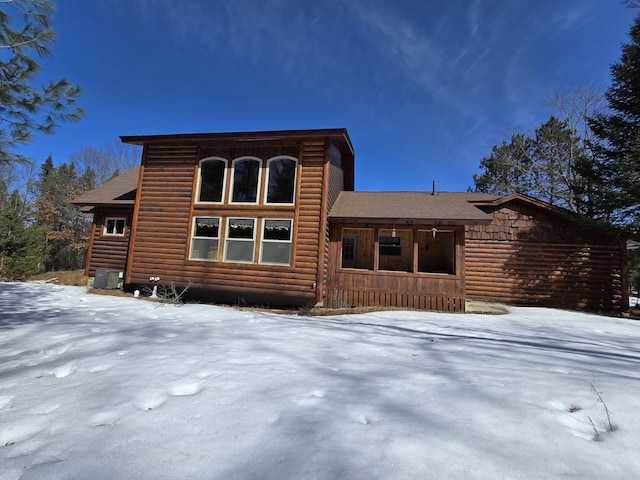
x=107 y=161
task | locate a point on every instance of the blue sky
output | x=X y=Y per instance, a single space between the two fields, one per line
x=425 y=88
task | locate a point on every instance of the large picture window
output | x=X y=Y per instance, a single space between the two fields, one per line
x=114 y=226
x=246 y=179
x=276 y=241
x=205 y=238
x=240 y=240
x=211 y=180
x=281 y=180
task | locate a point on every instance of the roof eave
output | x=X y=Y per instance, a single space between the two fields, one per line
x=412 y=221
x=340 y=134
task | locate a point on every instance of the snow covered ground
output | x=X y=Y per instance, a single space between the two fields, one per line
x=97 y=387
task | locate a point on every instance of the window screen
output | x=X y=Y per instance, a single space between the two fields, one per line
x=276 y=242
x=240 y=241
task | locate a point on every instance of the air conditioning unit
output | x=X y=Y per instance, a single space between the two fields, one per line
x=108 y=279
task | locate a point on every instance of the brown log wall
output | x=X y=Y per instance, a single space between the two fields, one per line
x=335 y=185
x=311 y=214
x=108 y=251
x=166 y=209
x=530 y=257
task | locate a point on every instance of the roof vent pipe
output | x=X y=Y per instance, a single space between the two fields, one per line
x=433 y=191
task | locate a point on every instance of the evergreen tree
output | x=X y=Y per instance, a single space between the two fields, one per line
x=67 y=228
x=547 y=166
x=22 y=244
x=619 y=133
x=507 y=169
x=24 y=110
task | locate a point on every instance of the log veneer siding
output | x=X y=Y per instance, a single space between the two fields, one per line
x=529 y=257
x=108 y=251
x=166 y=207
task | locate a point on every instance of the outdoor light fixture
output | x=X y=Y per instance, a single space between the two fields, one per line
x=393 y=232
x=433 y=232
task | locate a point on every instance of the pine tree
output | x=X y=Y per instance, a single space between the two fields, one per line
x=619 y=133
x=24 y=110
x=546 y=166
x=22 y=244
x=67 y=228
x=507 y=169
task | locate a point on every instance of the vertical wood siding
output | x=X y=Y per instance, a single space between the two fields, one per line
x=530 y=257
x=367 y=288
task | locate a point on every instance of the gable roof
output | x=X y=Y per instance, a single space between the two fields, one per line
x=119 y=191
x=451 y=208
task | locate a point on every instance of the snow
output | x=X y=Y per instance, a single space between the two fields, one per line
x=107 y=387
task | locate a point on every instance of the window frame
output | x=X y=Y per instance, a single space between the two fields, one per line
x=349 y=261
x=233 y=180
x=194 y=237
x=228 y=238
x=390 y=245
x=105 y=229
x=451 y=260
x=224 y=180
x=275 y=241
x=268 y=177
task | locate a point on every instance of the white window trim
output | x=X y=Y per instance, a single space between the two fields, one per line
x=193 y=236
x=227 y=238
x=115 y=219
x=224 y=180
x=233 y=175
x=290 y=241
x=295 y=179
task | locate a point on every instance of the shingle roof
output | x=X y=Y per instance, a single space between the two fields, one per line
x=120 y=190
x=444 y=207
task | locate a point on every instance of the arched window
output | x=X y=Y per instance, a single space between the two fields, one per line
x=211 y=180
x=246 y=178
x=281 y=180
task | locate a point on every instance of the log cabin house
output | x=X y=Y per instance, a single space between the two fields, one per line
x=272 y=218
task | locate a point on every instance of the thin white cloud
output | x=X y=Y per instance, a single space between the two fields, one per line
x=402 y=44
x=460 y=54
x=474 y=15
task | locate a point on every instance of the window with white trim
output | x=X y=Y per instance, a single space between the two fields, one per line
x=281 y=180
x=276 y=245
x=114 y=226
x=240 y=240
x=205 y=239
x=211 y=180
x=246 y=180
